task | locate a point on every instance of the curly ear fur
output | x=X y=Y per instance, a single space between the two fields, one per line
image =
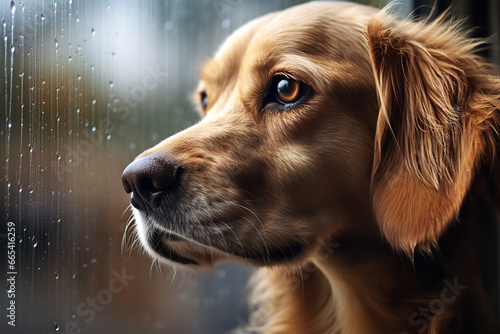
x=438 y=114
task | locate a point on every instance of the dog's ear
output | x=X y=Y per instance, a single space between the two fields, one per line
x=427 y=138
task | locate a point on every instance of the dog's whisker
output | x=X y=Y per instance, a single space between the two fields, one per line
x=235 y=236
x=129 y=207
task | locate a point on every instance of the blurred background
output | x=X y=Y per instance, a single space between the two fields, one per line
x=85 y=86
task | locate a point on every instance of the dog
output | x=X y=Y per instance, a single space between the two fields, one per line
x=352 y=157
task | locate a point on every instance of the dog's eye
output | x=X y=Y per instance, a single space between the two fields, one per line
x=285 y=92
x=204 y=100
x=288 y=90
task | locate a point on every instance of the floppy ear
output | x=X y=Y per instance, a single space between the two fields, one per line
x=427 y=139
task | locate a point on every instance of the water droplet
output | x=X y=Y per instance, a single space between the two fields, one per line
x=168 y=25
x=108 y=137
x=12 y=49
x=111 y=84
x=12 y=7
x=35 y=243
x=42 y=16
x=57 y=43
x=93 y=129
x=70 y=59
x=78 y=110
x=94 y=101
x=93 y=32
x=226 y=23
x=220 y=274
x=79 y=77
x=56 y=326
x=56 y=275
x=74 y=275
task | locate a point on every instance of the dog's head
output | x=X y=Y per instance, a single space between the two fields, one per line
x=308 y=115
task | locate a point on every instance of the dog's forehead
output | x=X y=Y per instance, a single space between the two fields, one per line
x=316 y=29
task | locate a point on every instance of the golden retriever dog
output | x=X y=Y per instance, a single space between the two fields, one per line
x=353 y=158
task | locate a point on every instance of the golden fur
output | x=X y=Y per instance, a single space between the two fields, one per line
x=349 y=201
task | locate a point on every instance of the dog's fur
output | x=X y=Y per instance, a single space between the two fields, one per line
x=366 y=204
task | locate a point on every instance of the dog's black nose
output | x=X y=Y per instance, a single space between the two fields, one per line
x=148 y=179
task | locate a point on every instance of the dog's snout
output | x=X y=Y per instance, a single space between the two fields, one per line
x=148 y=179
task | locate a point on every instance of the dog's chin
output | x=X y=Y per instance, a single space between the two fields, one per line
x=175 y=249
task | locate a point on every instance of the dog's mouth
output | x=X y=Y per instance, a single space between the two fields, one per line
x=184 y=251
x=181 y=250
x=159 y=245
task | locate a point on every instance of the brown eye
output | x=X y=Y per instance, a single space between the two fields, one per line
x=288 y=90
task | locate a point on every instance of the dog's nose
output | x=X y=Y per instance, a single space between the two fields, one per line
x=148 y=179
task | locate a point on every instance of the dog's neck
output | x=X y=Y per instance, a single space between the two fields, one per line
x=365 y=283
x=363 y=286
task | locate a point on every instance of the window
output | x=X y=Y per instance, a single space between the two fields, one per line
x=85 y=87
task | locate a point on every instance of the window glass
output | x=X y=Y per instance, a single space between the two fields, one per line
x=85 y=86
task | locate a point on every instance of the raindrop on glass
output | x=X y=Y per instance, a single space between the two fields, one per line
x=42 y=16
x=79 y=77
x=35 y=243
x=93 y=32
x=111 y=84
x=56 y=275
x=12 y=7
x=226 y=23
x=168 y=25
x=56 y=326
x=12 y=49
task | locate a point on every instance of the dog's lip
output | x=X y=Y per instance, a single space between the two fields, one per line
x=159 y=246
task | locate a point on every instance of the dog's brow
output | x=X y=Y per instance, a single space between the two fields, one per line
x=208 y=71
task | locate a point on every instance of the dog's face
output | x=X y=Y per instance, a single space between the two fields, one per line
x=285 y=134
x=283 y=154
